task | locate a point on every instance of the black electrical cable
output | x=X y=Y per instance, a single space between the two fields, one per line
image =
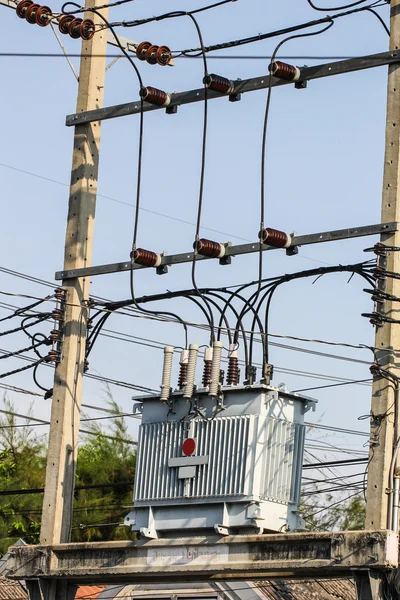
x=25 y=368
x=378 y=16
x=321 y=387
x=23 y=327
x=202 y=174
x=19 y=312
x=279 y=32
x=169 y=15
x=264 y=138
x=27 y=349
x=34 y=375
x=324 y=9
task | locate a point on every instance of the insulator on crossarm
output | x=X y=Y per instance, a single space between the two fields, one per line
x=208 y=356
x=30 y=14
x=151 y=55
x=22 y=7
x=191 y=372
x=74 y=28
x=214 y=386
x=167 y=371
x=273 y=237
x=284 y=71
x=64 y=23
x=209 y=248
x=146 y=258
x=87 y=29
x=163 y=56
x=43 y=16
x=142 y=49
x=232 y=377
x=216 y=83
x=155 y=96
x=183 y=369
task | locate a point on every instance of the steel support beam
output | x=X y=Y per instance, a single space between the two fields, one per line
x=187 y=257
x=206 y=559
x=241 y=87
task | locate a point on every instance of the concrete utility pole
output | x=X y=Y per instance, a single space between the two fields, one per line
x=67 y=391
x=384 y=411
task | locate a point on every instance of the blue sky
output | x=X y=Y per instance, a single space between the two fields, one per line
x=324 y=171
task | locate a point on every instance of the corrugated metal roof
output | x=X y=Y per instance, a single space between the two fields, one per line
x=12 y=590
x=308 y=589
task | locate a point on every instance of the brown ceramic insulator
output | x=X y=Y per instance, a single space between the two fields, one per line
x=60 y=294
x=53 y=356
x=22 y=8
x=142 y=49
x=208 y=248
x=207 y=373
x=151 y=55
x=163 y=56
x=58 y=314
x=146 y=257
x=232 y=377
x=155 y=96
x=219 y=84
x=55 y=335
x=183 y=370
x=87 y=29
x=74 y=28
x=30 y=14
x=273 y=237
x=43 y=16
x=64 y=22
x=282 y=70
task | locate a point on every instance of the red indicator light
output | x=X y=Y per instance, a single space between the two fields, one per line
x=188 y=446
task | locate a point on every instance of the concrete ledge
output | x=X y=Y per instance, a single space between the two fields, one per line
x=205 y=559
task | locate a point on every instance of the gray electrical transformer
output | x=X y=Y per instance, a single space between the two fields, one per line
x=235 y=471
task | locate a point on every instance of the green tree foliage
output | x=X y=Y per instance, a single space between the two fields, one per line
x=105 y=456
x=333 y=514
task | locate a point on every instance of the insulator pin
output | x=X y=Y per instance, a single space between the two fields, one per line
x=166 y=376
x=191 y=372
x=183 y=369
x=216 y=83
x=209 y=248
x=213 y=389
x=284 y=71
x=155 y=96
x=146 y=258
x=232 y=377
x=273 y=237
x=208 y=356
